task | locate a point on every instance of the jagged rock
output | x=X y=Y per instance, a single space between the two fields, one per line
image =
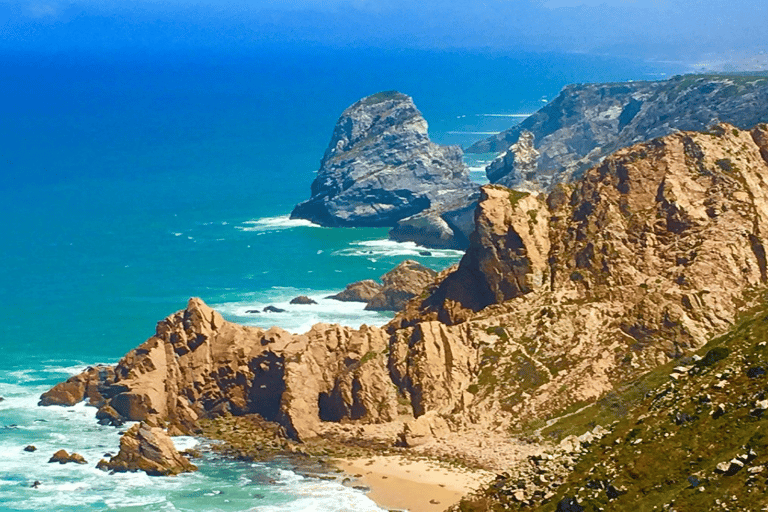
x=360 y=291
x=273 y=309
x=109 y=416
x=403 y=282
x=587 y=122
x=198 y=364
x=94 y=383
x=303 y=299
x=149 y=449
x=62 y=457
x=380 y=167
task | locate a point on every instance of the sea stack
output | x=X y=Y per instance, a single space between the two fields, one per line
x=380 y=167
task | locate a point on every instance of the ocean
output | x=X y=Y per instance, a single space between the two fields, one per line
x=131 y=183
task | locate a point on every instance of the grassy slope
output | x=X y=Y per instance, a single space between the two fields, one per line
x=664 y=436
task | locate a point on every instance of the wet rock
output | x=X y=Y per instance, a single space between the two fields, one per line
x=273 y=309
x=62 y=457
x=30 y=448
x=107 y=415
x=303 y=299
x=149 y=449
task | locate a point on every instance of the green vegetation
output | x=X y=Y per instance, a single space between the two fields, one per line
x=674 y=436
x=515 y=196
x=382 y=96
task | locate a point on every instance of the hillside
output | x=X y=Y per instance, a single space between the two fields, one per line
x=690 y=435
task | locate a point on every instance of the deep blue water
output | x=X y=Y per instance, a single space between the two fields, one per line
x=129 y=184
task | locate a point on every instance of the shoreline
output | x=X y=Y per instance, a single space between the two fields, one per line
x=422 y=484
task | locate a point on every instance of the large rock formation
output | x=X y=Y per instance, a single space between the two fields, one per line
x=149 y=449
x=558 y=299
x=637 y=263
x=587 y=122
x=380 y=167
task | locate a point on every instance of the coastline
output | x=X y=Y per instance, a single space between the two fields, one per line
x=397 y=482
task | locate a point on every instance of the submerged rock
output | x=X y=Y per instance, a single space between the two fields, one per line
x=149 y=449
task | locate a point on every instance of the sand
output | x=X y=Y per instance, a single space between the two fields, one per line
x=399 y=483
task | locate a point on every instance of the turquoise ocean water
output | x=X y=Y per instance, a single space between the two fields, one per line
x=129 y=184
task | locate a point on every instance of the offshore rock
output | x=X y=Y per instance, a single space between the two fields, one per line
x=587 y=122
x=380 y=167
x=149 y=449
x=62 y=457
x=402 y=283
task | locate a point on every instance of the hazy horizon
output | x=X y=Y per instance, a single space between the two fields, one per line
x=714 y=34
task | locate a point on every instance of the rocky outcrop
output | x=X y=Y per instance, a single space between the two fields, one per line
x=587 y=122
x=95 y=383
x=360 y=291
x=62 y=457
x=446 y=225
x=380 y=167
x=198 y=365
x=402 y=283
x=149 y=449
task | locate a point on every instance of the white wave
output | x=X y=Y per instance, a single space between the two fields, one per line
x=472 y=133
x=299 y=318
x=390 y=248
x=279 y=223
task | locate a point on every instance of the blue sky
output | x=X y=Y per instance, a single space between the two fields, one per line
x=681 y=29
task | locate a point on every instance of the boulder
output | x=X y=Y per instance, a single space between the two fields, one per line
x=303 y=299
x=30 y=448
x=423 y=429
x=401 y=284
x=273 y=309
x=149 y=449
x=107 y=415
x=62 y=457
x=360 y=291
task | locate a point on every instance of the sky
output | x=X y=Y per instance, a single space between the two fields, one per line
x=660 y=29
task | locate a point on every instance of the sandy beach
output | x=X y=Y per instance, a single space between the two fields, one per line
x=417 y=485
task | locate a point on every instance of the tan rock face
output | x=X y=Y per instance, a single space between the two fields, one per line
x=402 y=283
x=149 y=449
x=91 y=383
x=640 y=261
x=360 y=291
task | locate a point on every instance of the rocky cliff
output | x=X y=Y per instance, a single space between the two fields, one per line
x=635 y=264
x=587 y=122
x=558 y=300
x=380 y=168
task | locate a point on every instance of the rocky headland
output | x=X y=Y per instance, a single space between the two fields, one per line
x=587 y=122
x=560 y=300
x=380 y=169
